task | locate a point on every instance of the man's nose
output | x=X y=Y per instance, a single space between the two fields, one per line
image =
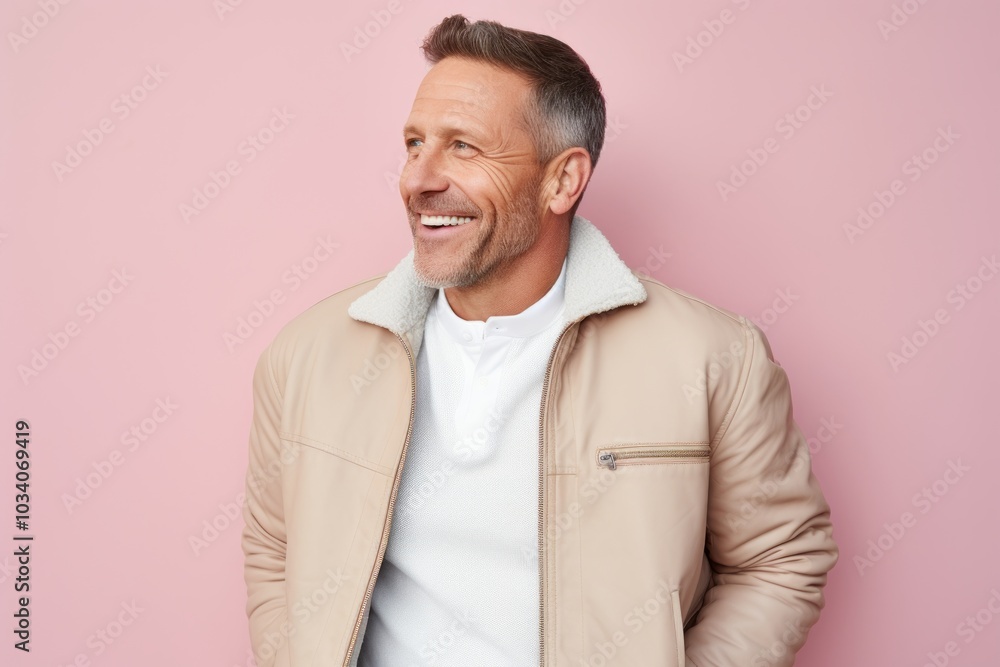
x=424 y=172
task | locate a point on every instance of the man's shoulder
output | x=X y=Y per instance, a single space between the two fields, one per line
x=691 y=314
x=696 y=326
x=324 y=321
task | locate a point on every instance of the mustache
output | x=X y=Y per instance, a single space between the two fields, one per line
x=443 y=203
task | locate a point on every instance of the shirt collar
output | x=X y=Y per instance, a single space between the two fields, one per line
x=530 y=321
x=597 y=280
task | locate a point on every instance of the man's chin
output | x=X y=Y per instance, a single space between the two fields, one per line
x=430 y=277
x=434 y=282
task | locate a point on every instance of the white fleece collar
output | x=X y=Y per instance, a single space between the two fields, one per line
x=596 y=280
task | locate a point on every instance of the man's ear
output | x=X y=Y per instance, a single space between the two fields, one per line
x=568 y=175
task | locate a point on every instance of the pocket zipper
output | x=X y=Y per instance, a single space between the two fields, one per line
x=611 y=458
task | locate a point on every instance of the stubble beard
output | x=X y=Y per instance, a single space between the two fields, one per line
x=509 y=235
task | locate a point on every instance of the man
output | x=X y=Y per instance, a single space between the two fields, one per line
x=511 y=449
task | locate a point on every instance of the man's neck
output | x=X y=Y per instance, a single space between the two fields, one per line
x=515 y=286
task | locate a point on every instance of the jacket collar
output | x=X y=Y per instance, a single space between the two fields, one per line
x=596 y=280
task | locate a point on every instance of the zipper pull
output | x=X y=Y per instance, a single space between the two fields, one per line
x=607 y=459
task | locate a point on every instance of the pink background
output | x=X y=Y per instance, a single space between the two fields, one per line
x=677 y=129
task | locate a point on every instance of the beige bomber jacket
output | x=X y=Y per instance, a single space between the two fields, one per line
x=680 y=523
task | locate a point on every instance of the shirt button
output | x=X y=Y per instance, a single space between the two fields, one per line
x=466 y=335
x=483 y=381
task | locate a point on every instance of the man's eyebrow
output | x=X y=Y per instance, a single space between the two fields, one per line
x=447 y=131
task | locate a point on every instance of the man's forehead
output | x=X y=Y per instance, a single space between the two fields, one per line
x=468 y=118
x=471 y=81
x=461 y=95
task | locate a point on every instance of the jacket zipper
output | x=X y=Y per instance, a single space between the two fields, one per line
x=541 y=501
x=392 y=502
x=541 y=505
x=541 y=498
x=612 y=457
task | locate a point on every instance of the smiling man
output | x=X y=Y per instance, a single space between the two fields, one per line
x=512 y=449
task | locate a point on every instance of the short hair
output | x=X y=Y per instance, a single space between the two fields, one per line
x=566 y=108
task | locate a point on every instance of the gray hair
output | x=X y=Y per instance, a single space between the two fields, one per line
x=567 y=107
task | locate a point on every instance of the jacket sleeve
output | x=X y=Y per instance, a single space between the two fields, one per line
x=769 y=537
x=263 y=537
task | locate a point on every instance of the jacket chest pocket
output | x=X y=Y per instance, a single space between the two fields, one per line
x=652 y=453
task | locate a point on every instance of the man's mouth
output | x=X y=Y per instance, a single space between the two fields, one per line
x=443 y=220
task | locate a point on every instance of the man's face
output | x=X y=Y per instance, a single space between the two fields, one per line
x=470 y=157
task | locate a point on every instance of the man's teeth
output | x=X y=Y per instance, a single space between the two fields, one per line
x=443 y=220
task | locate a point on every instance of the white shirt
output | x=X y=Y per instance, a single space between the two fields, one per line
x=459 y=582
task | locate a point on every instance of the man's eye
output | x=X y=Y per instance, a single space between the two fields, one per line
x=411 y=142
